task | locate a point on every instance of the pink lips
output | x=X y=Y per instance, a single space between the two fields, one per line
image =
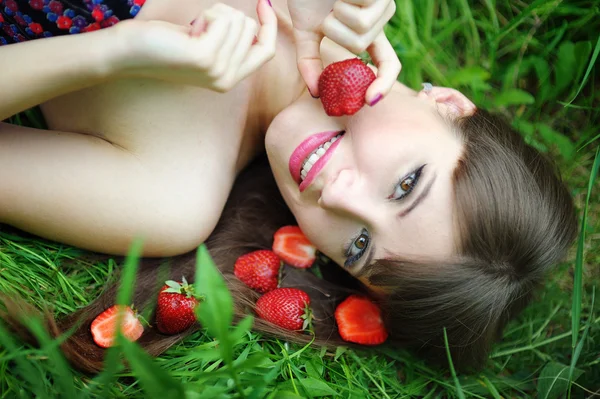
x=304 y=150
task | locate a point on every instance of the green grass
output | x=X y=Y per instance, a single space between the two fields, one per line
x=532 y=61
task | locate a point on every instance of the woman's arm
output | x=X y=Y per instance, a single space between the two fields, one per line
x=97 y=193
x=36 y=71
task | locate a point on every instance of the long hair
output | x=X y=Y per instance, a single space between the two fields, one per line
x=515 y=220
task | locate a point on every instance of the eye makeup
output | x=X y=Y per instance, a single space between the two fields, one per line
x=356 y=248
x=359 y=245
x=406 y=184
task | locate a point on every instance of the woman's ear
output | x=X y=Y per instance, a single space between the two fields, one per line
x=457 y=103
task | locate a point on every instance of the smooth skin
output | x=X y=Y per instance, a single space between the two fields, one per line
x=386 y=192
x=151 y=120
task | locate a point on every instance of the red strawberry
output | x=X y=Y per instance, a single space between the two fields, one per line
x=359 y=321
x=343 y=86
x=259 y=270
x=286 y=307
x=104 y=326
x=175 y=309
x=292 y=246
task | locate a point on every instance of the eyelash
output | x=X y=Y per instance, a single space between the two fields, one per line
x=416 y=174
x=350 y=260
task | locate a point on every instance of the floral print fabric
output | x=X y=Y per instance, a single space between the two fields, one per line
x=22 y=20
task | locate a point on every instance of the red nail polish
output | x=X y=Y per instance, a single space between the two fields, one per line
x=377 y=98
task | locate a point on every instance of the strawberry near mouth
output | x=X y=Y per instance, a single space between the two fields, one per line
x=343 y=86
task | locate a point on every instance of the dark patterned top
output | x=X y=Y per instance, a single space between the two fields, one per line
x=22 y=20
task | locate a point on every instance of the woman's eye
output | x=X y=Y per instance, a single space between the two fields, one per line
x=357 y=248
x=406 y=185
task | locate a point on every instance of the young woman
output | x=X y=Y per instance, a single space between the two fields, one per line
x=436 y=209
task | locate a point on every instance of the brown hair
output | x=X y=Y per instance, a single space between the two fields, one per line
x=515 y=219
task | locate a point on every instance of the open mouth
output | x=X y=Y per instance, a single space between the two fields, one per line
x=311 y=155
x=314 y=156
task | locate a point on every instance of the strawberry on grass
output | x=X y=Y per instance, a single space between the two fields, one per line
x=175 y=308
x=104 y=326
x=343 y=86
x=287 y=308
x=359 y=321
x=292 y=246
x=259 y=270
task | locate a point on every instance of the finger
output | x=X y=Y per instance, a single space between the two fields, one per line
x=210 y=42
x=308 y=57
x=264 y=49
x=346 y=37
x=199 y=26
x=230 y=77
x=360 y=19
x=343 y=35
x=388 y=68
x=236 y=27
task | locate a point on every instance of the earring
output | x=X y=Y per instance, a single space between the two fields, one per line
x=427 y=87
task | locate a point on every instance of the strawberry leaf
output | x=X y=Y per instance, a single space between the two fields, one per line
x=307 y=317
x=173 y=290
x=173 y=285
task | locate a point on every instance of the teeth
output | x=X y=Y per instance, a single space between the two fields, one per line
x=314 y=157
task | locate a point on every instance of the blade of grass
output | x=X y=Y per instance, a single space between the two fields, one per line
x=129 y=270
x=474 y=34
x=61 y=371
x=156 y=382
x=216 y=312
x=457 y=385
x=578 y=273
x=587 y=72
x=112 y=365
x=579 y=347
x=23 y=367
x=516 y=21
x=493 y=391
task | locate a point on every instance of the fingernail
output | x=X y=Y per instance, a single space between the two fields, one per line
x=376 y=99
x=311 y=93
x=269 y=1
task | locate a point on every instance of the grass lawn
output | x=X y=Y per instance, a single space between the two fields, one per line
x=531 y=60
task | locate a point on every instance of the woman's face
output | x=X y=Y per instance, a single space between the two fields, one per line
x=383 y=189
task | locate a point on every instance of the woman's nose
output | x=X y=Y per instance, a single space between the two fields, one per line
x=345 y=194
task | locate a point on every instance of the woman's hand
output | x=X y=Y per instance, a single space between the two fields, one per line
x=216 y=51
x=356 y=25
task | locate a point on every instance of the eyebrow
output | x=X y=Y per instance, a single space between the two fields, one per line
x=419 y=199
